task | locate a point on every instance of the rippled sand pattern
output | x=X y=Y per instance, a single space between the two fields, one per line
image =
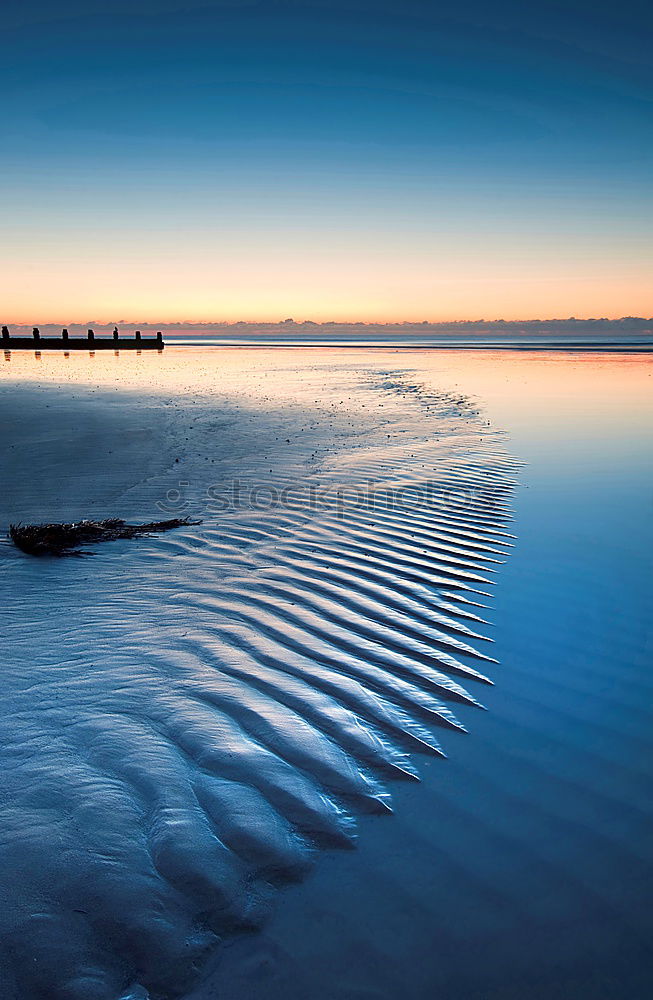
x=189 y=720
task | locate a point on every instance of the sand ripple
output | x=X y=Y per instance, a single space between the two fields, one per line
x=188 y=723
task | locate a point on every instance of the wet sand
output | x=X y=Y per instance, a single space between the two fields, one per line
x=224 y=706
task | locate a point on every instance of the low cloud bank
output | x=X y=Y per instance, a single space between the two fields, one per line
x=626 y=329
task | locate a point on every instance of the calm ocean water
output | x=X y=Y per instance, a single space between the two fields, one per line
x=521 y=869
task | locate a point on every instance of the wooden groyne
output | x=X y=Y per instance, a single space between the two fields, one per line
x=88 y=343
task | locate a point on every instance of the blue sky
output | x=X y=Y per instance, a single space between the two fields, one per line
x=358 y=160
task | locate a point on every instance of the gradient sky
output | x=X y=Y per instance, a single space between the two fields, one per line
x=325 y=160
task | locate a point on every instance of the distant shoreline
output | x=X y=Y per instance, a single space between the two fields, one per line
x=575 y=346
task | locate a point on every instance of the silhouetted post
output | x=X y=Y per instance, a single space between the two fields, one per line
x=138 y=336
x=64 y=333
x=115 y=334
x=91 y=336
x=37 y=333
x=159 y=338
x=5 y=334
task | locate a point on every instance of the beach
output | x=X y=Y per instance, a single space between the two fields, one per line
x=220 y=729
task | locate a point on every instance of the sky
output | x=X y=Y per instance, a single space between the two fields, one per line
x=245 y=160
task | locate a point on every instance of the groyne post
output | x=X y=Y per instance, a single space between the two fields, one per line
x=65 y=340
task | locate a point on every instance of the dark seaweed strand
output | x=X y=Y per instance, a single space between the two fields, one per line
x=65 y=539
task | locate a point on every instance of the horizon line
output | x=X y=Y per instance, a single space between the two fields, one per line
x=288 y=322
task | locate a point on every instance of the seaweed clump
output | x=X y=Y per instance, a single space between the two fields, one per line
x=66 y=539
